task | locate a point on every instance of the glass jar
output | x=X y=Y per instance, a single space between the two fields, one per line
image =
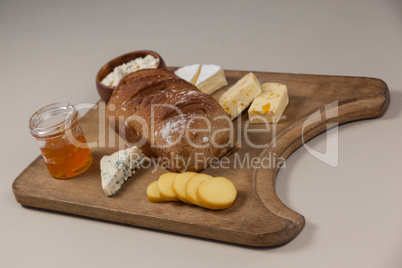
x=61 y=140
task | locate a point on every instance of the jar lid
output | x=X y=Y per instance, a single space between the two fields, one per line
x=53 y=120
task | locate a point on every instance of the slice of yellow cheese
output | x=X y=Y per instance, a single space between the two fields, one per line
x=165 y=184
x=180 y=184
x=216 y=193
x=192 y=186
x=153 y=193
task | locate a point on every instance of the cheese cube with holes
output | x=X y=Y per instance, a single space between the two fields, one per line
x=240 y=95
x=269 y=106
x=211 y=78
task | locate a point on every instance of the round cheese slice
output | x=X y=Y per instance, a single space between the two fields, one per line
x=192 y=186
x=165 y=184
x=153 y=193
x=180 y=183
x=216 y=193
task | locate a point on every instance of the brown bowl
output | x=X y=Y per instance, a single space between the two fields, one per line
x=105 y=91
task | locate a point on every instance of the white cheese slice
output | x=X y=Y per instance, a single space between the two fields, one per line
x=269 y=106
x=211 y=78
x=117 y=168
x=189 y=73
x=240 y=95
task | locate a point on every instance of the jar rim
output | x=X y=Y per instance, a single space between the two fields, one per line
x=47 y=112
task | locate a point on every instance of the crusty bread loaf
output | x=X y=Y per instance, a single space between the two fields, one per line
x=170 y=120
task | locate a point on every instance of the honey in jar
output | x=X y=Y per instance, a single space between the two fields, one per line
x=61 y=140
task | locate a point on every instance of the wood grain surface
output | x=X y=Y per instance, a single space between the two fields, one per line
x=258 y=217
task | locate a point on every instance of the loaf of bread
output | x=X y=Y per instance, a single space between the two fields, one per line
x=170 y=120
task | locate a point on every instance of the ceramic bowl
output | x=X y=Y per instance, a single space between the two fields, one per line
x=106 y=91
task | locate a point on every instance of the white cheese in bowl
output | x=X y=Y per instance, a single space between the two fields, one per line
x=113 y=78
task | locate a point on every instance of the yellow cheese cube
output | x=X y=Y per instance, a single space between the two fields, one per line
x=269 y=106
x=240 y=95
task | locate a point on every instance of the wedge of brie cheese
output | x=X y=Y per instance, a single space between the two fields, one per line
x=269 y=106
x=211 y=78
x=240 y=95
x=189 y=73
x=118 y=167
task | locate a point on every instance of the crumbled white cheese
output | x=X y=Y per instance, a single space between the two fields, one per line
x=113 y=78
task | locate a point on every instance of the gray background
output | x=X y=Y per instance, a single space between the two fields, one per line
x=51 y=50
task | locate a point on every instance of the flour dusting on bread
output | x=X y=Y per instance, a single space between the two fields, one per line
x=174 y=126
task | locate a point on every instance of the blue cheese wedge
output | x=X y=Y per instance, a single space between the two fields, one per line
x=269 y=106
x=118 y=167
x=189 y=73
x=240 y=95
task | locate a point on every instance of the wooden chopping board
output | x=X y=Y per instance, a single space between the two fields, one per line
x=258 y=217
